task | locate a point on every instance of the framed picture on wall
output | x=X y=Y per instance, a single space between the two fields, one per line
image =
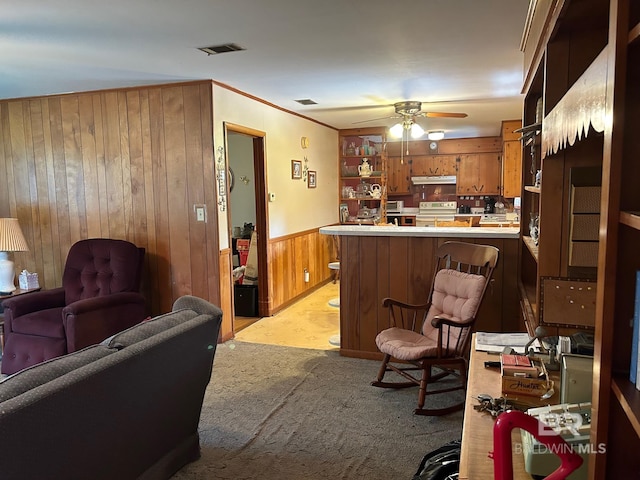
x=296 y=169
x=312 y=179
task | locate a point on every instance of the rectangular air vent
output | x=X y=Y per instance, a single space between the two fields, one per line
x=306 y=101
x=227 y=47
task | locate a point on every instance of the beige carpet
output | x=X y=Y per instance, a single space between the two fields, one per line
x=309 y=323
x=280 y=413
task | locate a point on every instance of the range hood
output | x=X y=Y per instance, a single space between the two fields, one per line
x=434 y=180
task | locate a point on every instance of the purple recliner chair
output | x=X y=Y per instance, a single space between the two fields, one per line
x=99 y=297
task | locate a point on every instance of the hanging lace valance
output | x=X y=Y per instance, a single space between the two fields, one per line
x=583 y=105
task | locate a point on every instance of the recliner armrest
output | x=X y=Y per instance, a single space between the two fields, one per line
x=32 y=302
x=91 y=320
x=88 y=305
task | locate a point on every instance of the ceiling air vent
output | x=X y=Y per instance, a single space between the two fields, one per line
x=306 y=101
x=227 y=47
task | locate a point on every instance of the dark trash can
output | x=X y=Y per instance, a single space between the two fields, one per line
x=246 y=300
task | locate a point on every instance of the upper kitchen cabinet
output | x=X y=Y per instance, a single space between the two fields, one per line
x=511 y=159
x=479 y=174
x=363 y=175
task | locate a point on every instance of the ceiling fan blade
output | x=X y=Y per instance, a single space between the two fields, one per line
x=376 y=119
x=444 y=114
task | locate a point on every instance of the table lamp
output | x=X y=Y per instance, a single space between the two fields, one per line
x=11 y=240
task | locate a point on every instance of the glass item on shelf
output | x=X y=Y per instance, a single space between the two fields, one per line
x=362 y=190
x=533 y=229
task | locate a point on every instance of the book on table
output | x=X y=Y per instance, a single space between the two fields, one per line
x=518 y=366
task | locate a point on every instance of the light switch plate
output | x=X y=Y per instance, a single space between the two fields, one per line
x=201 y=213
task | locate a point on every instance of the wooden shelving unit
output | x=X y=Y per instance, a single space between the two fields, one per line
x=357 y=146
x=588 y=52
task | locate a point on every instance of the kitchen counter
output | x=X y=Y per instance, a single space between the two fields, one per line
x=397 y=262
x=449 y=232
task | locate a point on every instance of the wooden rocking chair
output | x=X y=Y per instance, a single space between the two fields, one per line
x=438 y=333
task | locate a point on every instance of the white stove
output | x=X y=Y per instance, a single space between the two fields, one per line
x=429 y=211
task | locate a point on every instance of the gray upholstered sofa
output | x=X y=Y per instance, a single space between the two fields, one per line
x=127 y=408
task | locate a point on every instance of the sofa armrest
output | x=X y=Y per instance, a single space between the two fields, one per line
x=32 y=302
x=91 y=320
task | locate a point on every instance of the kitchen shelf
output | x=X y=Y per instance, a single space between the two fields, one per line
x=357 y=139
x=532 y=189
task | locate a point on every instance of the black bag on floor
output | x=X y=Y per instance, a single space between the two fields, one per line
x=440 y=464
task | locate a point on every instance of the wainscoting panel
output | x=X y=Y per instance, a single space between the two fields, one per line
x=288 y=258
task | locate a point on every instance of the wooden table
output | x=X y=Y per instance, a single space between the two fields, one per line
x=477 y=429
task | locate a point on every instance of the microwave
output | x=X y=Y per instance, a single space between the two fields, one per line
x=395 y=206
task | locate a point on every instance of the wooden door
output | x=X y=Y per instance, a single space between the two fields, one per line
x=512 y=169
x=399 y=179
x=446 y=164
x=468 y=174
x=490 y=169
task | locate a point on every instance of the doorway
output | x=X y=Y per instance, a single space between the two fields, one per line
x=246 y=209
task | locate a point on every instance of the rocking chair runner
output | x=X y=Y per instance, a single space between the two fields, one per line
x=445 y=323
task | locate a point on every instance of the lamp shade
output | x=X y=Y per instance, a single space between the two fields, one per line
x=11 y=237
x=416 y=131
x=397 y=130
x=11 y=240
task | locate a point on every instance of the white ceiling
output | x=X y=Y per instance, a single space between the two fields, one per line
x=355 y=58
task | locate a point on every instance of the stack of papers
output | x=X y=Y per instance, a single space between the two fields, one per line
x=496 y=342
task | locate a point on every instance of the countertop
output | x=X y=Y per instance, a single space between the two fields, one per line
x=393 y=231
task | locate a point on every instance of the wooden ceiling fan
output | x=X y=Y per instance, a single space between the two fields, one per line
x=410 y=110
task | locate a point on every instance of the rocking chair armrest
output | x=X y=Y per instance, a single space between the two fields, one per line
x=440 y=320
x=388 y=302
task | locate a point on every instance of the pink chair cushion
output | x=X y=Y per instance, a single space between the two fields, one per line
x=456 y=296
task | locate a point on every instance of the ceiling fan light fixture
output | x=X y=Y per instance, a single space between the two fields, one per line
x=397 y=130
x=435 y=135
x=416 y=131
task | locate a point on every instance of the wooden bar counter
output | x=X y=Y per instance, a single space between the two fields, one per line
x=398 y=262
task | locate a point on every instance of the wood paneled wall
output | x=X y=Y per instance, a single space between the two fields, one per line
x=127 y=164
x=288 y=258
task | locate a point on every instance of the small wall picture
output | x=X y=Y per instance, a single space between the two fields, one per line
x=296 y=169
x=312 y=179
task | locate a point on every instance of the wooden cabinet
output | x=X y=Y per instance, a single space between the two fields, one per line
x=511 y=159
x=583 y=61
x=478 y=174
x=399 y=176
x=362 y=196
x=616 y=421
x=434 y=165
